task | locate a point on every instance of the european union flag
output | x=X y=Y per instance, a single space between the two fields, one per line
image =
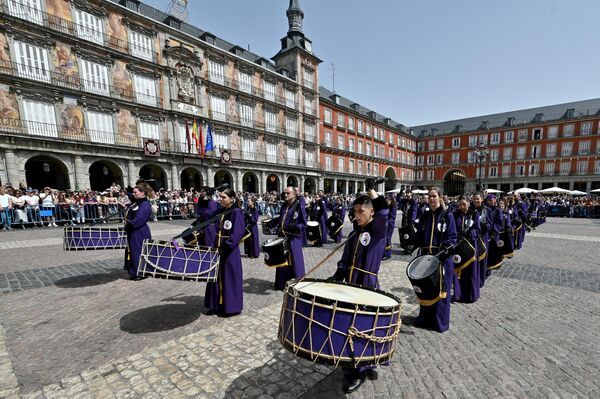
x=209 y=139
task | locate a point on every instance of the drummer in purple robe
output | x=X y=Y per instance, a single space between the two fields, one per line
x=523 y=210
x=339 y=210
x=497 y=222
x=251 y=244
x=290 y=227
x=466 y=281
x=487 y=227
x=225 y=296
x=319 y=214
x=136 y=227
x=304 y=216
x=360 y=263
x=436 y=232
x=391 y=227
x=205 y=209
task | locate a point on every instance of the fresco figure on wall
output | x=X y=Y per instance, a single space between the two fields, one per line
x=122 y=80
x=72 y=120
x=126 y=128
x=9 y=109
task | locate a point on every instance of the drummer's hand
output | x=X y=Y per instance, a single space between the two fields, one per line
x=372 y=193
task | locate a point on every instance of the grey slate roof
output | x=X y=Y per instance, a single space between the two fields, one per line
x=524 y=116
x=364 y=111
x=160 y=16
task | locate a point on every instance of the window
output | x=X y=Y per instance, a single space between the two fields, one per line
x=218 y=108
x=455 y=158
x=32 y=61
x=270 y=121
x=145 y=90
x=420 y=175
x=27 y=9
x=246 y=115
x=568 y=130
x=430 y=175
x=341 y=165
x=360 y=167
x=495 y=139
x=350 y=123
x=597 y=168
x=565 y=168
x=248 y=149
x=549 y=169
x=552 y=132
x=507 y=154
x=101 y=129
x=360 y=126
x=521 y=152
x=291 y=126
x=368 y=168
x=483 y=139
x=149 y=130
x=269 y=89
x=292 y=156
x=341 y=141
x=584 y=147
x=430 y=159
x=89 y=27
x=221 y=141
x=391 y=138
x=520 y=170
x=534 y=169
x=351 y=166
x=455 y=142
x=439 y=159
x=494 y=155
x=421 y=146
x=376 y=133
x=309 y=78
x=472 y=141
x=272 y=152
x=368 y=149
x=216 y=72
x=430 y=145
x=351 y=144
x=327 y=116
x=309 y=158
x=523 y=134
x=567 y=149
x=290 y=99
x=340 y=119
x=40 y=118
x=308 y=106
x=368 y=130
x=375 y=150
x=536 y=151
x=245 y=82
x=309 y=132
x=538 y=134
x=509 y=136
x=140 y=45
x=360 y=147
x=420 y=160
x=440 y=144
x=493 y=171
x=328 y=163
x=506 y=171
x=586 y=128
x=328 y=138
x=597 y=146
x=582 y=167
x=94 y=77
x=391 y=155
x=472 y=157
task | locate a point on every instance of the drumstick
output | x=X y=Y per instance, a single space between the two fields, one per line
x=327 y=257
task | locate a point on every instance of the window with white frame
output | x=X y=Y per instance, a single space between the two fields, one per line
x=582 y=167
x=351 y=144
x=350 y=123
x=308 y=106
x=309 y=158
x=341 y=141
x=140 y=45
x=309 y=78
x=440 y=144
x=351 y=166
x=375 y=169
x=430 y=159
x=439 y=159
x=455 y=158
x=368 y=153
x=269 y=89
x=431 y=145
x=586 y=128
x=506 y=171
x=360 y=126
x=100 y=127
x=584 y=147
x=472 y=141
x=270 y=121
x=430 y=175
x=483 y=139
x=375 y=150
x=536 y=151
x=218 y=107
x=420 y=160
x=401 y=142
x=290 y=99
x=456 y=142
x=272 y=152
x=494 y=155
x=538 y=134
x=391 y=155
x=328 y=163
x=149 y=130
x=568 y=130
x=340 y=119
x=360 y=147
x=182 y=138
x=145 y=90
x=521 y=152
x=597 y=146
x=216 y=72
x=328 y=138
x=309 y=132
x=523 y=134
x=534 y=169
x=94 y=77
x=549 y=169
x=221 y=141
x=566 y=149
x=327 y=116
x=495 y=139
x=509 y=136
x=472 y=157
x=520 y=170
x=248 y=148
x=341 y=165
x=32 y=61
x=360 y=168
x=369 y=168
x=40 y=118
x=597 y=168
x=30 y=10
x=420 y=175
x=493 y=171
x=245 y=82
x=421 y=146
x=550 y=150
x=368 y=129
x=89 y=27
x=291 y=126
x=552 y=132
x=246 y=114
x=375 y=132
x=565 y=168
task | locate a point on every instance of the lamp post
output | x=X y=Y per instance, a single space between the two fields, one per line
x=480 y=152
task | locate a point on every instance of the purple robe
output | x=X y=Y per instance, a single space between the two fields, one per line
x=409 y=209
x=523 y=209
x=517 y=223
x=487 y=228
x=466 y=288
x=251 y=245
x=226 y=295
x=494 y=252
x=339 y=211
x=204 y=211
x=302 y=201
x=319 y=214
x=137 y=229
x=391 y=226
x=291 y=222
x=430 y=237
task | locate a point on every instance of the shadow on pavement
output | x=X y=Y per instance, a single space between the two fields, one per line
x=90 y=280
x=163 y=317
x=330 y=387
x=257 y=286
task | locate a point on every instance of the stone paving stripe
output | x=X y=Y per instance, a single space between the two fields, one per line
x=563 y=236
x=9 y=387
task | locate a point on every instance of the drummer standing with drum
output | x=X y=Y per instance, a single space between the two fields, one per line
x=391 y=224
x=290 y=226
x=339 y=210
x=251 y=244
x=437 y=233
x=466 y=282
x=136 y=227
x=361 y=260
x=205 y=209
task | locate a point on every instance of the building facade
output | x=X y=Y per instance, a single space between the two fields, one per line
x=95 y=92
x=557 y=145
x=357 y=143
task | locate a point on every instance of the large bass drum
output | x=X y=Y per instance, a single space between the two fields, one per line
x=426 y=274
x=276 y=252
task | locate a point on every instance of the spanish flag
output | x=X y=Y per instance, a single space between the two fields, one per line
x=195 y=134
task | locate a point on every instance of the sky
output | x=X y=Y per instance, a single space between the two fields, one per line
x=426 y=61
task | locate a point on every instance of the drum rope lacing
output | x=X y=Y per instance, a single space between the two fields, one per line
x=213 y=260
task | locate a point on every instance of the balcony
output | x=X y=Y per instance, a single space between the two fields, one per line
x=71 y=29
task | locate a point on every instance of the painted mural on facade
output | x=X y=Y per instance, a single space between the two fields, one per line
x=126 y=128
x=60 y=9
x=117 y=32
x=9 y=108
x=65 y=63
x=71 y=117
x=122 y=80
x=4 y=54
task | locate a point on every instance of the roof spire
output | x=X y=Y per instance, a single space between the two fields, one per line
x=295 y=17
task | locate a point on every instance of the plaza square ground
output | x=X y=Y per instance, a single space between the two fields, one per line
x=73 y=326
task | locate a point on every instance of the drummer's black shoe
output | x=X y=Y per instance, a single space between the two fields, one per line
x=136 y=278
x=353 y=384
x=372 y=374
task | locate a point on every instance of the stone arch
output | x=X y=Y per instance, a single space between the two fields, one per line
x=222 y=176
x=292 y=181
x=250 y=183
x=103 y=173
x=154 y=175
x=46 y=171
x=454 y=182
x=310 y=185
x=190 y=178
x=390 y=175
x=273 y=183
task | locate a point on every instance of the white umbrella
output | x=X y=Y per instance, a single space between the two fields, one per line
x=577 y=192
x=417 y=191
x=595 y=191
x=394 y=191
x=524 y=190
x=555 y=190
x=493 y=191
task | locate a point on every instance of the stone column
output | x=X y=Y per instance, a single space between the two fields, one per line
x=174 y=177
x=80 y=174
x=239 y=184
x=301 y=184
x=210 y=178
x=12 y=169
x=263 y=182
x=131 y=173
x=334 y=189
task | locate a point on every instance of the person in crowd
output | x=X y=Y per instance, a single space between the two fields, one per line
x=391 y=226
x=495 y=255
x=319 y=214
x=6 y=206
x=48 y=198
x=408 y=207
x=487 y=227
x=20 y=206
x=136 y=227
x=360 y=263
x=338 y=210
x=465 y=280
x=225 y=297
x=436 y=235
x=206 y=208
x=251 y=244
x=291 y=220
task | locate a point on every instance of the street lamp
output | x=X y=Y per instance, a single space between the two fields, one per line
x=480 y=152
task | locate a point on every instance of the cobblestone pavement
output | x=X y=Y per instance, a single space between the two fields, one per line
x=75 y=327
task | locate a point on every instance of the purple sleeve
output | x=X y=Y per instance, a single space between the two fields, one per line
x=142 y=215
x=238 y=229
x=451 y=235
